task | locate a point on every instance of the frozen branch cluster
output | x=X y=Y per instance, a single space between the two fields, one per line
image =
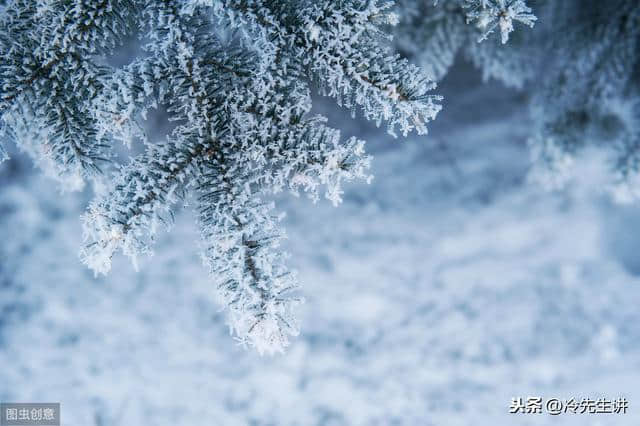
x=489 y=14
x=579 y=66
x=48 y=79
x=435 y=32
x=235 y=77
x=590 y=92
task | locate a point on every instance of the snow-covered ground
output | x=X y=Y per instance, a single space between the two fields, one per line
x=433 y=296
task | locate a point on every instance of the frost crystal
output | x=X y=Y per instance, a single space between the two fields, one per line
x=489 y=14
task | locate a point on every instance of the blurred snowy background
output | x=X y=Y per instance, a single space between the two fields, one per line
x=435 y=294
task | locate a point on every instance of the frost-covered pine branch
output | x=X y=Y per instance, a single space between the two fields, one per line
x=433 y=33
x=580 y=64
x=49 y=78
x=340 y=46
x=235 y=77
x=489 y=14
x=590 y=90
